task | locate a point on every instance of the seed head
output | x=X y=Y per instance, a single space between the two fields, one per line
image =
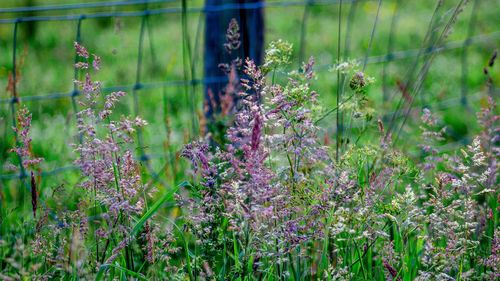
x=232 y=36
x=34 y=194
x=492 y=58
x=357 y=81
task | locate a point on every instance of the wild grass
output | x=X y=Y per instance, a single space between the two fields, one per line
x=263 y=192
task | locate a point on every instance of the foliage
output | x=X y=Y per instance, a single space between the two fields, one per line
x=268 y=199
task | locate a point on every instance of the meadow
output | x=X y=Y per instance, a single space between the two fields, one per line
x=372 y=157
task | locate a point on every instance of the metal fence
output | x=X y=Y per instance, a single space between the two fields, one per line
x=141 y=10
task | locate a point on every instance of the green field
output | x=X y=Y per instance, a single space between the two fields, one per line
x=47 y=52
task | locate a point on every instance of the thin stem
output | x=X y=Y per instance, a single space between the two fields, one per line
x=372 y=35
x=338 y=84
x=332 y=110
x=187 y=62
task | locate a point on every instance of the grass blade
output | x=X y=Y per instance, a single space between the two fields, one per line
x=155 y=208
x=102 y=269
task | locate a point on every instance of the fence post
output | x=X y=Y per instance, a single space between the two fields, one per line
x=217 y=17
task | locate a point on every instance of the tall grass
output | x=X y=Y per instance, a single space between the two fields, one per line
x=266 y=197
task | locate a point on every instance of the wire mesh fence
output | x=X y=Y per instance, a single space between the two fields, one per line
x=146 y=9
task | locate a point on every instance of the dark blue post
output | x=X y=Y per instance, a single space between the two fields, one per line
x=250 y=17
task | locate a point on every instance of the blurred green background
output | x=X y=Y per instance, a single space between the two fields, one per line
x=48 y=68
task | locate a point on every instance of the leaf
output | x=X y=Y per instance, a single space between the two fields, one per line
x=102 y=269
x=235 y=247
x=155 y=208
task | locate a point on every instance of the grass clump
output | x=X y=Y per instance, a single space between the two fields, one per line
x=269 y=198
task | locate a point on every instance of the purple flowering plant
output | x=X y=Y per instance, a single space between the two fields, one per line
x=269 y=199
x=274 y=204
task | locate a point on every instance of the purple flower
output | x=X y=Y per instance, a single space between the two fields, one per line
x=23 y=148
x=232 y=36
x=80 y=50
x=96 y=62
x=256 y=133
